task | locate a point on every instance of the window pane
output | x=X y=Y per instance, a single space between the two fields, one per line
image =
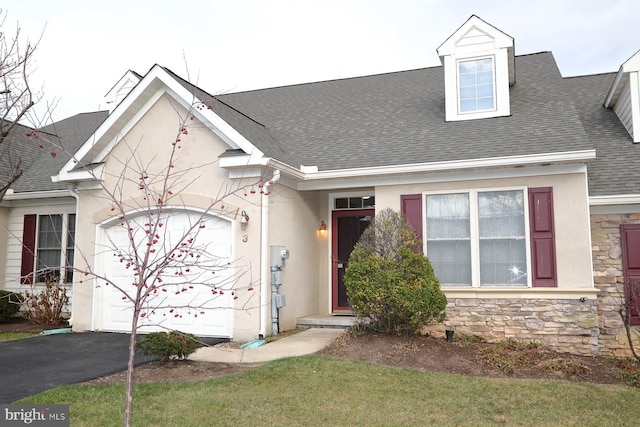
x=49 y=246
x=484 y=78
x=468 y=92
x=355 y=202
x=485 y=104
x=476 y=83
x=485 y=64
x=485 y=91
x=502 y=238
x=467 y=80
x=468 y=105
x=451 y=261
x=368 y=202
x=342 y=203
x=448 y=238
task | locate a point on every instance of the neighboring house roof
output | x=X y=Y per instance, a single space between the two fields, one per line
x=69 y=133
x=398 y=119
x=615 y=172
x=17 y=146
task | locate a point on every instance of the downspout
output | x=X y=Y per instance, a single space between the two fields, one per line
x=265 y=271
x=73 y=189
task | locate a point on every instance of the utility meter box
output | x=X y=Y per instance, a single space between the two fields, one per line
x=280 y=300
x=278 y=255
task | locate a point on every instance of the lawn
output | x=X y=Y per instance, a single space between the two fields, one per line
x=327 y=391
x=8 y=336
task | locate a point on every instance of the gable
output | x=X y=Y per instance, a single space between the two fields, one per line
x=479 y=68
x=624 y=96
x=157 y=83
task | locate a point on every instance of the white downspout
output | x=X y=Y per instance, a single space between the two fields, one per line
x=265 y=271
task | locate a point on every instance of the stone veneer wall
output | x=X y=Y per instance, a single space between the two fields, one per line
x=608 y=278
x=590 y=327
x=565 y=325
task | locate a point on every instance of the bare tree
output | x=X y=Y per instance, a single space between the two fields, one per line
x=17 y=98
x=629 y=310
x=171 y=273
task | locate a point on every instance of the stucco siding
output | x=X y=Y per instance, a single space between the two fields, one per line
x=293 y=222
x=200 y=184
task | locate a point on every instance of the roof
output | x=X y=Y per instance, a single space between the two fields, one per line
x=398 y=119
x=618 y=158
x=70 y=134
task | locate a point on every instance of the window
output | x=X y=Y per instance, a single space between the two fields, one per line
x=478 y=238
x=48 y=247
x=476 y=85
x=365 y=202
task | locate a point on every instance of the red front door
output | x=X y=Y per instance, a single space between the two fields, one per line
x=631 y=264
x=347 y=227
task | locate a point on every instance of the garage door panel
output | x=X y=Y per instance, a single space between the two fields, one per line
x=188 y=281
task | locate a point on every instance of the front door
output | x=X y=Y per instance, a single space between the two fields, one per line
x=631 y=263
x=347 y=227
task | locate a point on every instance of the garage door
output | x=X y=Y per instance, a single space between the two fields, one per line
x=187 y=300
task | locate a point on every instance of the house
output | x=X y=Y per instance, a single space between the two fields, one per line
x=520 y=182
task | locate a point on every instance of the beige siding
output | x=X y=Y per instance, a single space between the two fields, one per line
x=293 y=222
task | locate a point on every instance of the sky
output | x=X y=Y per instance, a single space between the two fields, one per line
x=236 y=45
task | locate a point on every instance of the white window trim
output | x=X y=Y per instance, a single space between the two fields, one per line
x=474 y=234
x=63 y=246
x=493 y=76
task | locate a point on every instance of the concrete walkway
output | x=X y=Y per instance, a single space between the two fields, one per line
x=307 y=342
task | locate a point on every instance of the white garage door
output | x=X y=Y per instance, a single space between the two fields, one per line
x=193 y=296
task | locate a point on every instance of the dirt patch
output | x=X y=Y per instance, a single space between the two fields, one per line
x=21 y=325
x=424 y=353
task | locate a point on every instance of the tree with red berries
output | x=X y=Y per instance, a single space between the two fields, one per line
x=17 y=99
x=163 y=273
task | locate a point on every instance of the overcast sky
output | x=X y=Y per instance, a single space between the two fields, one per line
x=236 y=45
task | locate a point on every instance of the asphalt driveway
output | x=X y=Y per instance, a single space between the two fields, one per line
x=31 y=365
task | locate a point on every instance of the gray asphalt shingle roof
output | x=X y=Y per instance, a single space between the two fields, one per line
x=398 y=118
x=616 y=169
x=71 y=133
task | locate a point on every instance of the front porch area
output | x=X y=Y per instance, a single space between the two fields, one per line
x=325 y=321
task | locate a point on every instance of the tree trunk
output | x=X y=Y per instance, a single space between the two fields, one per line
x=130 y=366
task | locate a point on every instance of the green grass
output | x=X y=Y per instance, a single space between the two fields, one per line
x=325 y=391
x=7 y=336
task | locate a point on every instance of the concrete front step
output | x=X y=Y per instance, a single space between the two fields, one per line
x=326 y=321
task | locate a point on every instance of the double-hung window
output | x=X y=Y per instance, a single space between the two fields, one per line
x=478 y=238
x=476 y=85
x=48 y=247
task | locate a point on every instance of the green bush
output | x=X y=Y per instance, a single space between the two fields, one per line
x=390 y=286
x=168 y=345
x=9 y=304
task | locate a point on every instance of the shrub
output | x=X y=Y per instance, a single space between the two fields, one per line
x=168 y=345
x=9 y=304
x=390 y=286
x=46 y=304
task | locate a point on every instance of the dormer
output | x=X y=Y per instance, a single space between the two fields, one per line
x=624 y=96
x=121 y=89
x=479 y=68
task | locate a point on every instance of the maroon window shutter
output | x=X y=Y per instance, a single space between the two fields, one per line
x=28 y=249
x=543 y=247
x=411 y=205
x=631 y=268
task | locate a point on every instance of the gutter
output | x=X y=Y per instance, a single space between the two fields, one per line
x=265 y=272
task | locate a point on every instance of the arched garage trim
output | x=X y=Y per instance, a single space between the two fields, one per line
x=196 y=309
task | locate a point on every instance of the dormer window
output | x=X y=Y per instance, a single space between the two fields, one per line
x=476 y=85
x=479 y=68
